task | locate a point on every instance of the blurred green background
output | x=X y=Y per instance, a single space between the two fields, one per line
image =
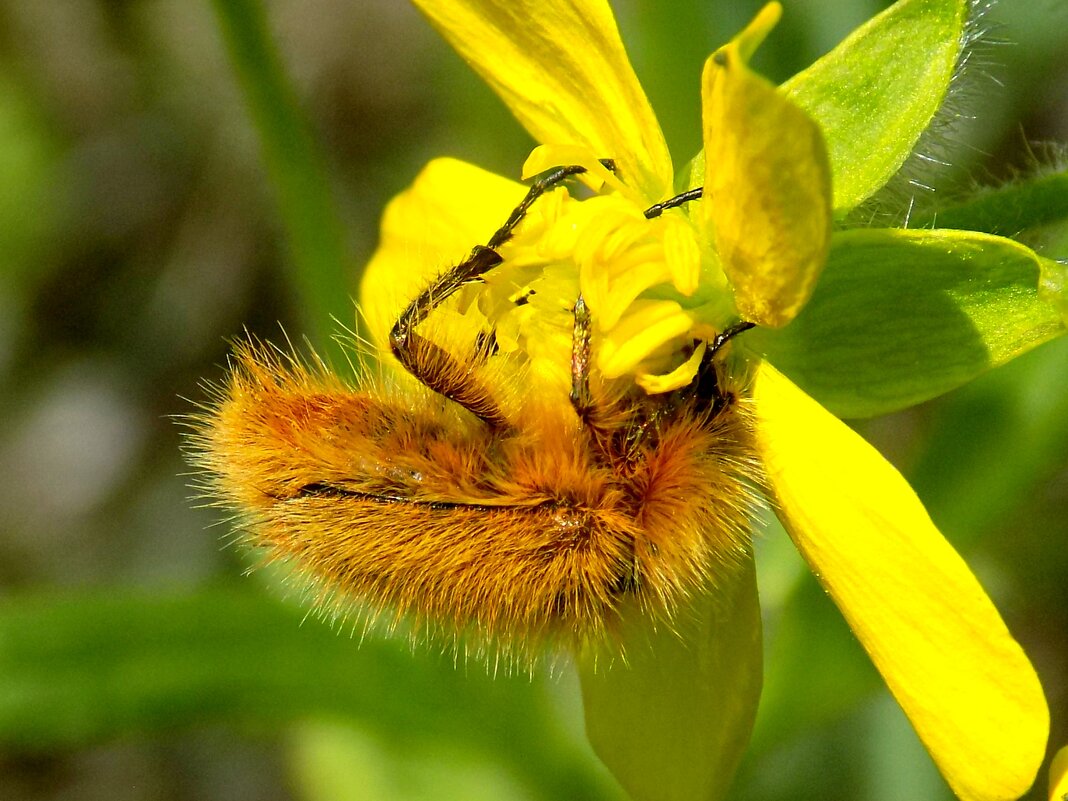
x=140 y=228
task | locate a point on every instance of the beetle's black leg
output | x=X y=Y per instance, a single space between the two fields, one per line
x=707 y=386
x=430 y=363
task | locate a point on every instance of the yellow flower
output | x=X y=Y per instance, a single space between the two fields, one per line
x=753 y=249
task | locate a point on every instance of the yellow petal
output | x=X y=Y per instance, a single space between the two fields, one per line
x=682 y=254
x=681 y=376
x=560 y=66
x=647 y=325
x=428 y=228
x=1058 y=776
x=545 y=157
x=935 y=636
x=767 y=183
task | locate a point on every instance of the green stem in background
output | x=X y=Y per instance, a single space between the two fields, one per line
x=315 y=237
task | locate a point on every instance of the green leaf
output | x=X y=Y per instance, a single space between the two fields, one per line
x=673 y=721
x=75 y=671
x=1005 y=210
x=315 y=237
x=903 y=316
x=878 y=91
x=332 y=760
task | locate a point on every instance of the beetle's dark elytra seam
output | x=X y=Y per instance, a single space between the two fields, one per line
x=319 y=489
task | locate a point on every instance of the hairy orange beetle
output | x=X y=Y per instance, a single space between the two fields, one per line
x=514 y=525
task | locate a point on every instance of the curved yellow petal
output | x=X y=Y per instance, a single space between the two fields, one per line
x=681 y=376
x=767 y=183
x=561 y=68
x=935 y=636
x=545 y=157
x=426 y=229
x=1058 y=776
x=646 y=326
x=681 y=254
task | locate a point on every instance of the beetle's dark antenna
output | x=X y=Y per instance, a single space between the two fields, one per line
x=659 y=208
x=431 y=364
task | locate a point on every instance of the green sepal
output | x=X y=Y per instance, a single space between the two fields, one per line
x=672 y=718
x=1054 y=286
x=877 y=91
x=1006 y=210
x=902 y=316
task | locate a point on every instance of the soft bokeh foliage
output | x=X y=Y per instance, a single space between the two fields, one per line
x=139 y=228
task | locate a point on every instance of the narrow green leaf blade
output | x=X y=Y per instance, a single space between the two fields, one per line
x=322 y=275
x=879 y=89
x=82 y=669
x=673 y=722
x=1006 y=210
x=902 y=316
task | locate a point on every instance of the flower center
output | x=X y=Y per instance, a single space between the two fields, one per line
x=649 y=284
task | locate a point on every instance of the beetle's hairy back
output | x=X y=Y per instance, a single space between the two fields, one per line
x=516 y=536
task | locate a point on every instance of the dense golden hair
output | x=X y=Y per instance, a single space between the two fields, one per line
x=516 y=537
